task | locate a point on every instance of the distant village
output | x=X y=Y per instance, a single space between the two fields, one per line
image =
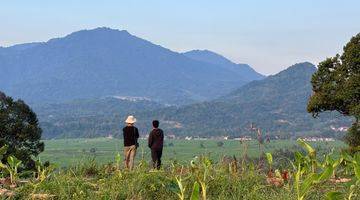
x=257 y=136
x=247 y=138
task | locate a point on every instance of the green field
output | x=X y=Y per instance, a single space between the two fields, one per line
x=66 y=152
x=205 y=177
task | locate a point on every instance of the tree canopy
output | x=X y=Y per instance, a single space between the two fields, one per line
x=336 y=87
x=19 y=130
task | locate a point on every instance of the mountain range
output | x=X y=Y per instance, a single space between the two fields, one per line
x=102 y=62
x=86 y=83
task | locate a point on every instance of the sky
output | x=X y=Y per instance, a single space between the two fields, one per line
x=269 y=35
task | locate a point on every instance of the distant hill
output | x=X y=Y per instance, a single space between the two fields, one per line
x=276 y=104
x=243 y=70
x=89 y=118
x=103 y=62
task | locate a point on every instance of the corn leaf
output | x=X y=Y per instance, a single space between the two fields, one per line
x=334 y=195
x=357 y=158
x=195 y=195
x=2 y=165
x=306 y=146
x=326 y=174
x=347 y=157
x=357 y=170
x=307 y=183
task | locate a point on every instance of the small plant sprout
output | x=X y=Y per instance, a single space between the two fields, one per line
x=118 y=161
x=270 y=160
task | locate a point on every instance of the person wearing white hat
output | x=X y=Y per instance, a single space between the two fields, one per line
x=131 y=135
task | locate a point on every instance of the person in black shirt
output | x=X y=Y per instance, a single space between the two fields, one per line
x=131 y=135
x=156 y=143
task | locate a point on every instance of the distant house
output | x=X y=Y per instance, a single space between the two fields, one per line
x=339 y=129
x=245 y=138
x=200 y=138
x=219 y=137
x=318 y=139
x=188 y=138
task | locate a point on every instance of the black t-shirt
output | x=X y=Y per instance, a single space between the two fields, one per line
x=156 y=139
x=131 y=134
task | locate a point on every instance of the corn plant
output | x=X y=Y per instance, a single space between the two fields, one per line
x=354 y=162
x=43 y=171
x=311 y=156
x=207 y=165
x=181 y=193
x=306 y=175
x=11 y=168
x=202 y=172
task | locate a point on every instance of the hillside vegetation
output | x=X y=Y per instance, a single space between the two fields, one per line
x=276 y=104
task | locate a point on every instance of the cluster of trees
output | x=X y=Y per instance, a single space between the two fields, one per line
x=20 y=132
x=336 y=87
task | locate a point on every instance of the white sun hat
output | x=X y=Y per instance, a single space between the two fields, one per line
x=130 y=120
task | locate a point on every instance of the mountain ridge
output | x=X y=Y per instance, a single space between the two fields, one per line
x=208 y=56
x=103 y=61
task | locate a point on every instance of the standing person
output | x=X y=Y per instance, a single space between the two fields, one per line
x=156 y=142
x=131 y=135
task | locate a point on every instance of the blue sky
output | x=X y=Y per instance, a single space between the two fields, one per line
x=267 y=34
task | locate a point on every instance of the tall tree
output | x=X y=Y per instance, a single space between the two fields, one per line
x=19 y=130
x=336 y=87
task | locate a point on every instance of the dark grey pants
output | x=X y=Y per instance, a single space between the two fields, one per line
x=156 y=158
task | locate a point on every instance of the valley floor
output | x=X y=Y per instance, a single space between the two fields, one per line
x=67 y=152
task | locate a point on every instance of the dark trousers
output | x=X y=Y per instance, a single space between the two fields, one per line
x=156 y=158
